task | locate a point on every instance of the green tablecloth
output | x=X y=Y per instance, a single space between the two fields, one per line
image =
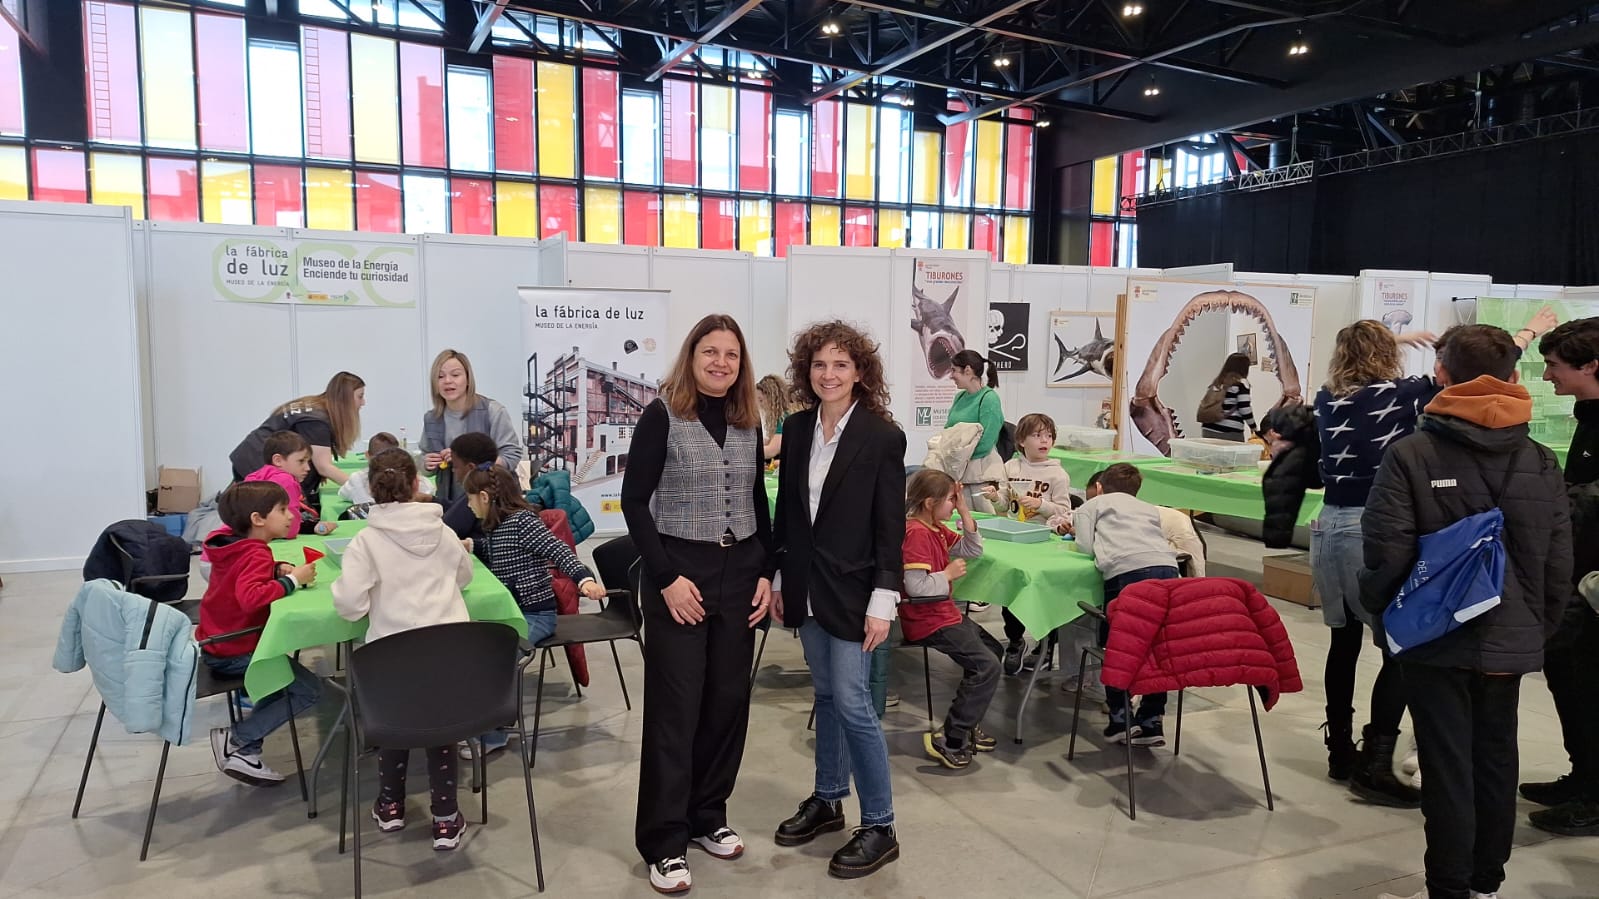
x=1081 y=466
x=1039 y=582
x=1235 y=493
x=352 y=462
x=305 y=618
x=333 y=505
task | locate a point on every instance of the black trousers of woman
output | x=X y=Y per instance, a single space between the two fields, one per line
x=696 y=697
x=1387 y=693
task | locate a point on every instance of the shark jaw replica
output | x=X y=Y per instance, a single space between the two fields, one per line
x=1150 y=415
x=1097 y=356
x=935 y=328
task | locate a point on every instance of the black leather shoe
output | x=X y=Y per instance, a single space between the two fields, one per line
x=869 y=849
x=1559 y=791
x=815 y=816
x=1577 y=818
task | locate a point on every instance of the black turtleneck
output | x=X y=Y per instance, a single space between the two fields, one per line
x=1582 y=462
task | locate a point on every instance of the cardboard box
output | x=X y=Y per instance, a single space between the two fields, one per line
x=1288 y=577
x=178 y=490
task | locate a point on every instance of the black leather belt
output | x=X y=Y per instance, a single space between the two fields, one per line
x=727 y=540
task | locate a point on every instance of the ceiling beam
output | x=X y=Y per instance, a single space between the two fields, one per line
x=1348 y=20
x=485 y=25
x=729 y=15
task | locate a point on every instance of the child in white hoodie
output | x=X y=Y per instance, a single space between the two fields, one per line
x=405 y=570
x=1041 y=490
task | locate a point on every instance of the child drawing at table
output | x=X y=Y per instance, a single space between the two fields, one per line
x=404 y=571
x=519 y=550
x=358 y=491
x=1039 y=489
x=245 y=581
x=934 y=557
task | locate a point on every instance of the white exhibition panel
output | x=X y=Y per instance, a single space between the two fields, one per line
x=598 y=265
x=70 y=347
x=771 y=338
x=1452 y=299
x=1046 y=289
x=705 y=282
x=855 y=285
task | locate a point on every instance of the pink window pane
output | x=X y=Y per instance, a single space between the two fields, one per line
x=513 y=114
x=1132 y=180
x=325 y=57
x=220 y=79
x=718 y=224
x=955 y=140
x=679 y=131
x=1019 y=166
x=111 y=63
x=601 y=158
x=279 y=196
x=422 y=104
x=174 y=190
x=858 y=227
x=641 y=218
x=558 y=211
x=58 y=176
x=471 y=206
x=378 y=205
x=1102 y=244
x=788 y=227
x=10 y=80
x=985 y=234
x=755 y=141
x=826 y=156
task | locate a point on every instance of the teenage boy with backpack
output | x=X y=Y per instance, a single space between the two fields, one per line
x=1471 y=453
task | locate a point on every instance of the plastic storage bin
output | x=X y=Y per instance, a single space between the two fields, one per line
x=1214 y=456
x=1013 y=531
x=1085 y=440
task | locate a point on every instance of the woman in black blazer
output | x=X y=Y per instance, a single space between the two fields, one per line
x=837 y=536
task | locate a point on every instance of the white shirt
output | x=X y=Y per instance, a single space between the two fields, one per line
x=883 y=603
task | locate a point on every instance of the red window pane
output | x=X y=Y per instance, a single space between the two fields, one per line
x=826 y=131
x=422 y=104
x=1102 y=244
x=985 y=234
x=678 y=131
x=788 y=227
x=858 y=230
x=641 y=219
x=513 y=114
x=279 y=199
x=955 y=140
x=1019 y=166
x=601 y=156
x=58 y=176
x=220 y=81
x=1132 y=179
x=325 y=56
x=10 y=80
x=558 y=211
x=111 y=59
x=718 y=224
x=378 y=206
x=471 y=206
x=755 y=141
x=174 y=189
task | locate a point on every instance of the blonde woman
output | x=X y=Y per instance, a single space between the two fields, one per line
x=459 y=409
x=776 y=402
x=329 y=422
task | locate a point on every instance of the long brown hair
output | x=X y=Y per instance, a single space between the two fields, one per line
x=337 y=400
x=776 y=402
x=391 y=476
x=505 y=495
x=433 y=380
x=1365 y=353
x=681 y=392
x=929 y=483
x=871 y=391
x=1234 y=369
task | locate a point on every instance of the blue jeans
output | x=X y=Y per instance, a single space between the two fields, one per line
x=273 y=710
x=540 y=625
x=1337 y=553
x=849 y=738
x=1152 y=706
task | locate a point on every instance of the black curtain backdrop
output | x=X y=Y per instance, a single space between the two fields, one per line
x=1527 y=213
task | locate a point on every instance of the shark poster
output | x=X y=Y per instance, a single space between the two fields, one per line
x=1082 y=349
x=1007 y=335
x=939 y=294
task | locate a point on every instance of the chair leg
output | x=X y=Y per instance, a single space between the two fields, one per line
x=1077 y=706
x=344 y=785
x=316 y=765
x=927 y=678
x=618 y=659
x=155 y=799
x=1260 y=748
x=88 y=760
x=811 y=724
x=1032 y=682
x=1177 y=738
x=538 y=711
x=355 y=804
x=532 y=810
x=299 y=763
x=481 y=785
x=1132 y=801
x=759 y=651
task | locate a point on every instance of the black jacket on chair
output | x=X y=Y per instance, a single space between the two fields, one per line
x=854 y=544
x=1290 y=474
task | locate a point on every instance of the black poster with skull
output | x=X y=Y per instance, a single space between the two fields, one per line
x=1007 y=335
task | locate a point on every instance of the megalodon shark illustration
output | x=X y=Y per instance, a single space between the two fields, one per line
x=1097 y=356
x=935 y=327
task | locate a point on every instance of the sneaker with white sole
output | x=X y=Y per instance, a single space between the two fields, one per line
x=670 y=875
x=389 y=815
x=1412 y=762
x=248 y=768
x=447 y=833
x=219 y=746
x=722 y=842
x=1420 y=895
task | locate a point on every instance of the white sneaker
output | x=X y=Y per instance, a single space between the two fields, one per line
x=219 y=746
x=1420 y=895
x=722 y=843
x=1412 y=762
x=248 y=768
x=1477 y=895
x=1415 y=783
x=670 y=875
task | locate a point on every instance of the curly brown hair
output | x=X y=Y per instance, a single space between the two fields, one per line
x=1365 y=353
x=872 y=389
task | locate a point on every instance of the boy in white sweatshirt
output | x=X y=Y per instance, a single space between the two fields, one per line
x=1039 y=489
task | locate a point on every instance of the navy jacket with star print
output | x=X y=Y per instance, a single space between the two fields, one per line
x=1358 y=428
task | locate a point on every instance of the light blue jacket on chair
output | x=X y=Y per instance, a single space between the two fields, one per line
x=141 y=653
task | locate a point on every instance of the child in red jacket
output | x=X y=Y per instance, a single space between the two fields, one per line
x=245 y=580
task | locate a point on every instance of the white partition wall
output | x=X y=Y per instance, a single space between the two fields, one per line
x=771 y=338
x=70 y=348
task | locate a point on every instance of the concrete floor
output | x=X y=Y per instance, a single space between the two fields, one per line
x=1022 y=821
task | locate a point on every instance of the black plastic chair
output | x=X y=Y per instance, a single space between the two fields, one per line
x=207 y=683
x=397 y=704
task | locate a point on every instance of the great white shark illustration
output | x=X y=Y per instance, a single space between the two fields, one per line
x=1097 y=355
x=935 y=328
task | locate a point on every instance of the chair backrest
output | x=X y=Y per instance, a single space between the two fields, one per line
x=143 y=557
x=1185 y=564
x=612 y=559
x=436 y=685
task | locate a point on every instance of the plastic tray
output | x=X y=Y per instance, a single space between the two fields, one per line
x=1214 y=456
x=1013 y=531
x=335 y=549
x=1085 y=440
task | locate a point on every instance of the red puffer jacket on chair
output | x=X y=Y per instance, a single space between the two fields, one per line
x=1198 y=632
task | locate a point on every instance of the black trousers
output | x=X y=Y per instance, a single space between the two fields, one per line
x=1466 y=733
x=1571 y=666
x=962 y=644
x=442 y=768
x=696 y=697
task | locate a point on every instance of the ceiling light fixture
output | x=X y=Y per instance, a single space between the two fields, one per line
x=1002 y=62
x=1298 y=47
x=1132 y=9
x=831 y=29
x=1043 y=123
x=1153 y=90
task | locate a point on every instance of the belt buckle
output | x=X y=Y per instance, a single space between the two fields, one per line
x=726 y=540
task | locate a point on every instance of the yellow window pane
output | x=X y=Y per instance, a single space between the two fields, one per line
x=680 y=222
x=13 y=173
x=825 y=221
x=168 y=54
x=860 y=143
x=602 y=215
x=328 y=200
x=375 y=90
x=891 y=228
x=1104 y=195
x=1017 y=233
x=990 y=142
x=225 y=193
x=516 y=209
x=557 y=100
x=957 y=231
x=924 y=167
x=1158 y=171
x=755 y=227
x=116 y=180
